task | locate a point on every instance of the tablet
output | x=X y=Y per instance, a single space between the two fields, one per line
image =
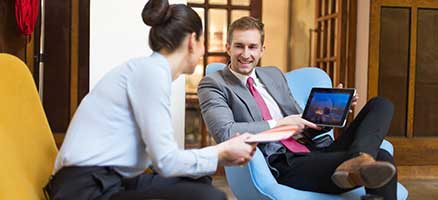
x=328 y=107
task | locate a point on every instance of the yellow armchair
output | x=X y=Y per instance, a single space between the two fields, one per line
x=27 y=147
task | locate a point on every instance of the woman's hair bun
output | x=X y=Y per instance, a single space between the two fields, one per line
x=155 y=12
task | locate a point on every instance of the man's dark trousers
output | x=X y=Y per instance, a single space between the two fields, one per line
x=312 y=171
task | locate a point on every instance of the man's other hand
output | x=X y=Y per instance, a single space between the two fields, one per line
x=298 y=121
x=355 y=98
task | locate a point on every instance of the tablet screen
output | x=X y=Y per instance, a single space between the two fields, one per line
x=328 y=106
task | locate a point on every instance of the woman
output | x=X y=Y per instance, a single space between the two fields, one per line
x=124 y=125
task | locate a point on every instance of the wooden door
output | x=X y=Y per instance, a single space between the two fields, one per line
x=335 y=45
x=403 y=66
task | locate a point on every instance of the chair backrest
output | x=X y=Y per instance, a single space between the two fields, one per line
x=27 y=147
x=302 y=80
x=213 y=67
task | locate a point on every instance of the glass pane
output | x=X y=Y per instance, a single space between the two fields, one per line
x=236 y=14
x=222 y=2
x=200 y=12
x=192 y=80
x=217 y=22
x=319 y=41
x=325 y=38
x=195 y=1
x=240 y=2
x=332 y=39
x=333 y=6
x=324 y=7
x=331 y=69
x=394 y=64
x=426 y=81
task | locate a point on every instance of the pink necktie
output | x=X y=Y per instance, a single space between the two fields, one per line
x=289 y=143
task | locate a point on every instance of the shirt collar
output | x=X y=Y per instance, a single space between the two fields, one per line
x=244 y=78
x=160 y=57
x=163 y=62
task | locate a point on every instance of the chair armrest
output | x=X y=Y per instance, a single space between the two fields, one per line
x=255 y=181
x=387 y=146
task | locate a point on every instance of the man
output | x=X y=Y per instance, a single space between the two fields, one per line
x=245 y=98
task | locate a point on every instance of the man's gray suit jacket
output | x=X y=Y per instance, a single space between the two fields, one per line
x=228 y=107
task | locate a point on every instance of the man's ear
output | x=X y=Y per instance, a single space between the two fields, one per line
x=262 y=50
x=228 y=48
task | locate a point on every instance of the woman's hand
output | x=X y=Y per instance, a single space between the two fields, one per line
x=236 y=151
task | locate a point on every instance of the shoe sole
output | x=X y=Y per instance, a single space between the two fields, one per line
x=377 y=175
x=374 y=175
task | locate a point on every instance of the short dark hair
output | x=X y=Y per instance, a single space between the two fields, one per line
x=170 y=24
x=246 y=23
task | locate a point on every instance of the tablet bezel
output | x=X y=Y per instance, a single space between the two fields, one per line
x=350 y=91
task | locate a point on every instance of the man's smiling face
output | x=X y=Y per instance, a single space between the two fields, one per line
x=245 y=50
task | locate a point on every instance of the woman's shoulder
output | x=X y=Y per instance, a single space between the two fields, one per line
x=147 y=70
x=152 y=63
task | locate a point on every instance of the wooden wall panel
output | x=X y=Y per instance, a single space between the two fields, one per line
x=426 y=81
x=84 y=49
x=394 y=63
x=415 y=151
x=412 y=149
x=56 y=99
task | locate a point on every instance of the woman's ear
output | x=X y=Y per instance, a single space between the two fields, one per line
x=192 y=41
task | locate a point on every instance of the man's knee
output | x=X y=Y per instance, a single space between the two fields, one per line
x=382 y=103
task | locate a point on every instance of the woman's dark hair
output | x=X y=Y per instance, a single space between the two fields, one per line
x=170 y=24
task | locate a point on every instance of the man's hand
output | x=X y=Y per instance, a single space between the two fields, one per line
x=355 y=98
x=298 y=121
x=236 y=151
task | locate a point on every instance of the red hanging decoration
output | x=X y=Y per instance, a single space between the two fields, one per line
x=26 y=13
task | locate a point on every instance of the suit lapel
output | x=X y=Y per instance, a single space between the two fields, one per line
x=243 y=93
x=273 y=89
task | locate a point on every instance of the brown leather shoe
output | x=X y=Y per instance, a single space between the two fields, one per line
x=363 y=170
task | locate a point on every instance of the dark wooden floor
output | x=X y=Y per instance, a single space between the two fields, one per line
x=418 y=189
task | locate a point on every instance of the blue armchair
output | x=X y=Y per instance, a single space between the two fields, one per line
x=255 y=181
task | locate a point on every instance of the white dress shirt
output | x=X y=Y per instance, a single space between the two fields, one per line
x=273 y=107
x=125 y=122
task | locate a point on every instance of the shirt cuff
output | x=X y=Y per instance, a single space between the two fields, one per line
x=209 y=159
x=272 y=123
